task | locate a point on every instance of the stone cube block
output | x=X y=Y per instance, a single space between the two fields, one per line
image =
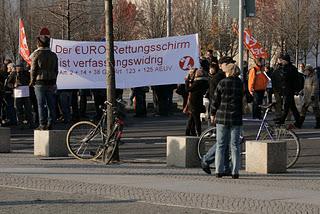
x=266 y=156
x=50 y=143
x=182 y=151
x=5 y=134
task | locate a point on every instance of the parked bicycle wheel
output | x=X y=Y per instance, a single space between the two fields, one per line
x=84 y=140
x=111 y=146
x=293 y=143
x=206 y=141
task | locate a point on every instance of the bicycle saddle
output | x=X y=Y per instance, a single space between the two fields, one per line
x=267 y=106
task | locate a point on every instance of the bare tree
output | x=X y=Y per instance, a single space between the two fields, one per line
x=125 y=17
x=315 y=26
x=11 y=31
x=223 y=38
x=68 y=19
x=193 y=16
x=2 y=30
x=153 y=18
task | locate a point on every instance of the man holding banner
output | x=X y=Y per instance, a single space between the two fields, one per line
x=257 y=85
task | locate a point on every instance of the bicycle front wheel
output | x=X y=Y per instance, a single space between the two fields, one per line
x=293 y=143
x=111 y=146
x=85 y=141
x=206 y=141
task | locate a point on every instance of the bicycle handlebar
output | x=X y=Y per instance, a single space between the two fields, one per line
x=120 y=101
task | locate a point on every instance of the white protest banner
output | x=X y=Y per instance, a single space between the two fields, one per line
x=137 y=63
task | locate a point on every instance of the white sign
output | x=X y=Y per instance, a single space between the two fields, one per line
x=137 y=63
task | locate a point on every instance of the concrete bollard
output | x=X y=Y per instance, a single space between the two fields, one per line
x=5 y=134
x=182 y=151
x=266 y=156
x=50 y=143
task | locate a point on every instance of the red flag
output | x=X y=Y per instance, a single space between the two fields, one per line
x=252 y=44
x=23 y=46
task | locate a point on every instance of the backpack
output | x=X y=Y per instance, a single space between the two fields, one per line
x=299 y=82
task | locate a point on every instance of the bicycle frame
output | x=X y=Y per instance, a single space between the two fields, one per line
x=264 y=124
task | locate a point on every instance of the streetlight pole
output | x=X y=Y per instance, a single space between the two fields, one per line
x=241 y=36
x=169 y=15
x=297 y=34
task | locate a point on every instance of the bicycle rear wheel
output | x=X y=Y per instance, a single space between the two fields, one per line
x=85 y=141
x=206 y=141
x=293 y=143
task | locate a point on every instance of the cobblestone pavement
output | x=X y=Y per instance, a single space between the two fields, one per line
x=297 y=191
x=30 y=184
x=16 y=201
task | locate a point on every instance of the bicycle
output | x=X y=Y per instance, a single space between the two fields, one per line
x=274 y=133
x=88 y=141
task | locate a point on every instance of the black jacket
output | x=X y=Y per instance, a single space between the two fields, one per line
x=21 y=78
x=197 y=89
x=286 y=78
x=276 y=80
x=213 y=83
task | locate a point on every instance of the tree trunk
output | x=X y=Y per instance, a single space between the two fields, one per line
x=110 y=78
x=2 y=31
x=317 y=53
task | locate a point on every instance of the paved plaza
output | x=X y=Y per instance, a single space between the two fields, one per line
x=30 y=184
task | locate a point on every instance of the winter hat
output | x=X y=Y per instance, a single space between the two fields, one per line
x=285 y=56
x=309 y=68
x=226 y=59
x=44 y=32
x=44 y=37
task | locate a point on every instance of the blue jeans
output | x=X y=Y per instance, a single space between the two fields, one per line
x=209 y=158
x=46 y=103
x=228 y=135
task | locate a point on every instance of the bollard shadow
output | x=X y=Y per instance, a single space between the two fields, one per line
x=62 y=201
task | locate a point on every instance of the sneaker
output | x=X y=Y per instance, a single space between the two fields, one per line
x=219 y=175
x=235 y=176
x=50 y=127
x=297 y=125
x=42 y=127
x=205 y=167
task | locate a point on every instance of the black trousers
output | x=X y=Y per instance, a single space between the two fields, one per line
x=194 y=124
x=289 y=104
x=257 y=101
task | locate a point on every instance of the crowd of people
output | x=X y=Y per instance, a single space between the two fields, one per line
x=221 y=82
x=29 y=97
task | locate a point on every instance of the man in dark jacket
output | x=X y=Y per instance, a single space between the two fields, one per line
x=44 y=72
x=215 y=75
x=20 y=79
x=287 y=83
x=276 y=80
